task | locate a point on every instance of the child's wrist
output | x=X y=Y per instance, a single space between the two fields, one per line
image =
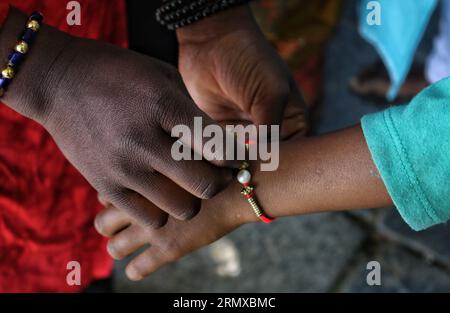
x=238 y=203
x=231 y=207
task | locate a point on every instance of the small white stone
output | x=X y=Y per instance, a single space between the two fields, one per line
x=244 y=176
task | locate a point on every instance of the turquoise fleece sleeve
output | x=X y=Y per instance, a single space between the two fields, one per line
x=410 y=146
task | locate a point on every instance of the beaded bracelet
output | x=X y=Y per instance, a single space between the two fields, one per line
x=179 y=13
x=21 y=48
x=244 y=177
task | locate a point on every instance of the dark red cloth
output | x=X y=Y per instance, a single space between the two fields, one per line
x=46 y=206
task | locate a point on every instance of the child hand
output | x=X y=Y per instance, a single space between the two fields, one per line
x=217 y=217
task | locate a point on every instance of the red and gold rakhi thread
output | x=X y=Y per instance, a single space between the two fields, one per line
x=244 y=177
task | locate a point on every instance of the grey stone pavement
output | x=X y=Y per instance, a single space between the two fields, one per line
x=323 y=252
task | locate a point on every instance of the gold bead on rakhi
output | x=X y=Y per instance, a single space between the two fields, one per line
x=244 y=178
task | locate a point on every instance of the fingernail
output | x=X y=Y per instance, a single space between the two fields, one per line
x=133 y=274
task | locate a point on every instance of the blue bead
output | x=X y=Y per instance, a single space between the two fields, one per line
x=37 y=17
x=28 y=36
x=15 y=58
x=4 y=82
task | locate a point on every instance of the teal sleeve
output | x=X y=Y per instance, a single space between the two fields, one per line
x=410 y=146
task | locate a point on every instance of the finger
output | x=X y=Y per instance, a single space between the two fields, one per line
x=201 y=179
x=268 y=113
x=177 y=239
x=110 y=221
x=292 y=127
x=295 y=120
x=272 y=104
x=149 y=261
x=139 y=208
x=165 y=194
x=126 y=242
x=103 y=201
x=189 y=117
x=267 y=107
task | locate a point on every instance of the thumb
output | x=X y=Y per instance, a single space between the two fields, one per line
x=268 y=112
x=269 y=100
x=295 y=118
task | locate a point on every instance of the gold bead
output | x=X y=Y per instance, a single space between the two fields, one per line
x=244 y=166
x=8 y=73
x=247 y=190
x=22 y=47
x=33 y=25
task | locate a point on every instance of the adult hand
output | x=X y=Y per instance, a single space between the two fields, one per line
x=233 y=73
x=111 y=112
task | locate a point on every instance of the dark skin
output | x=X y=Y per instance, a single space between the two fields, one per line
x=332 y=172
x=111 y=111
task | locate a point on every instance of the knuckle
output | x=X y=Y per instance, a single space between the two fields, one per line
x=125 y=165
x=105 y=185
x=188 y=213
x=208 y=190
x=104 y=202
x=156 y=222
x=118 y=160
x=125 y=143
x=166 y=106
x=129 y=202
x=115 y=195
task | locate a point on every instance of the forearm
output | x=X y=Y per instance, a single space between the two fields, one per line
x=325 y=173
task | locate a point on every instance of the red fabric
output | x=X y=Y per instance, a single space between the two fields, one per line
x=46 y=206
x=3 y=12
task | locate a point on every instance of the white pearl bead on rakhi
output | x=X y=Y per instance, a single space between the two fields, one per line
x=244 y=177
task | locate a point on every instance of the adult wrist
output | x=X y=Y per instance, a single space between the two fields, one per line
x=30 y=93
x=174 y=14
x=218 y=25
